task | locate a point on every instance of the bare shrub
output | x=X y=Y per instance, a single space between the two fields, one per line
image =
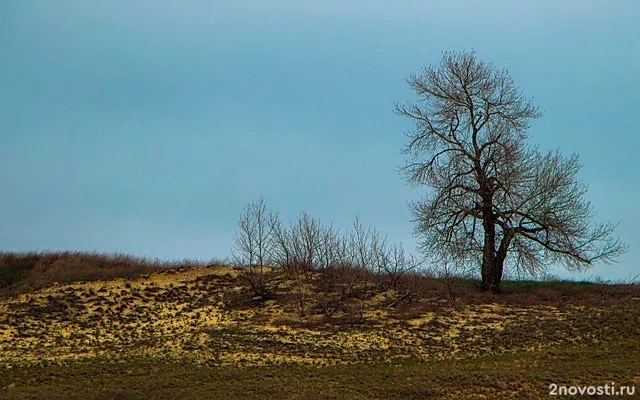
x=306 y=237
x=254 y=245
x=283 y=252
x=328 y=269
x=395 y=263
x=332 y=248
x=24 y=272
x=368 y=250
x=421 y=283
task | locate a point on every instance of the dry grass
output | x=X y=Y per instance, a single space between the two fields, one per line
x=128 y=331
x=26 y=272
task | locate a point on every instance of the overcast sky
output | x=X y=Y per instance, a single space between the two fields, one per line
x=145 y=126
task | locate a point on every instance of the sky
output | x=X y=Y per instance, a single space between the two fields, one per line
x=145 y=126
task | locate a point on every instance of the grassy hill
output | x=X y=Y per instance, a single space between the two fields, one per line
x=86 y=326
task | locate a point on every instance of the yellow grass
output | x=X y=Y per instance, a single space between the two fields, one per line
x=177 y=315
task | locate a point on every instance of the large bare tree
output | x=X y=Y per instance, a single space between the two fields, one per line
x=492 y=195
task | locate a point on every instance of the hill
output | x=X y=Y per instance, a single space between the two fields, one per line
x=199 y=332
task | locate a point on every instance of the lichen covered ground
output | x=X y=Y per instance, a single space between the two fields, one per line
x=187 y=315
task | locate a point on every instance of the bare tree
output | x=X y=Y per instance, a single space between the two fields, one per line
x=331 y=248
x=380 y=251
x=491 y=194
x=365 y=244
x=254 y=244
x=283 y=247
x=359 y=240
x=306 y=241
x=302 y=246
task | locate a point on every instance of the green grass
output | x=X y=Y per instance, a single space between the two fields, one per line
x=524 y=375
x=564 y=286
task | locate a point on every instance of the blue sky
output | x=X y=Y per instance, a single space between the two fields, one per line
x=145 y=126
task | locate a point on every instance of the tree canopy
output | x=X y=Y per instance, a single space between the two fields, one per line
x=493 y=195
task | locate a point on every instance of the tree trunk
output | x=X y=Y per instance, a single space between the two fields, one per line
x=489 y=249
x=498 y=267
x=497 y=276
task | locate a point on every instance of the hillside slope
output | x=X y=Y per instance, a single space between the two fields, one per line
x=206 y=318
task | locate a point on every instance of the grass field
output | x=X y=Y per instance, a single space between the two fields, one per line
x=197 y=333
x=524 y=375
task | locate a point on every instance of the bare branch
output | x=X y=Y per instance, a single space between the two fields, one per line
x=491 y=194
